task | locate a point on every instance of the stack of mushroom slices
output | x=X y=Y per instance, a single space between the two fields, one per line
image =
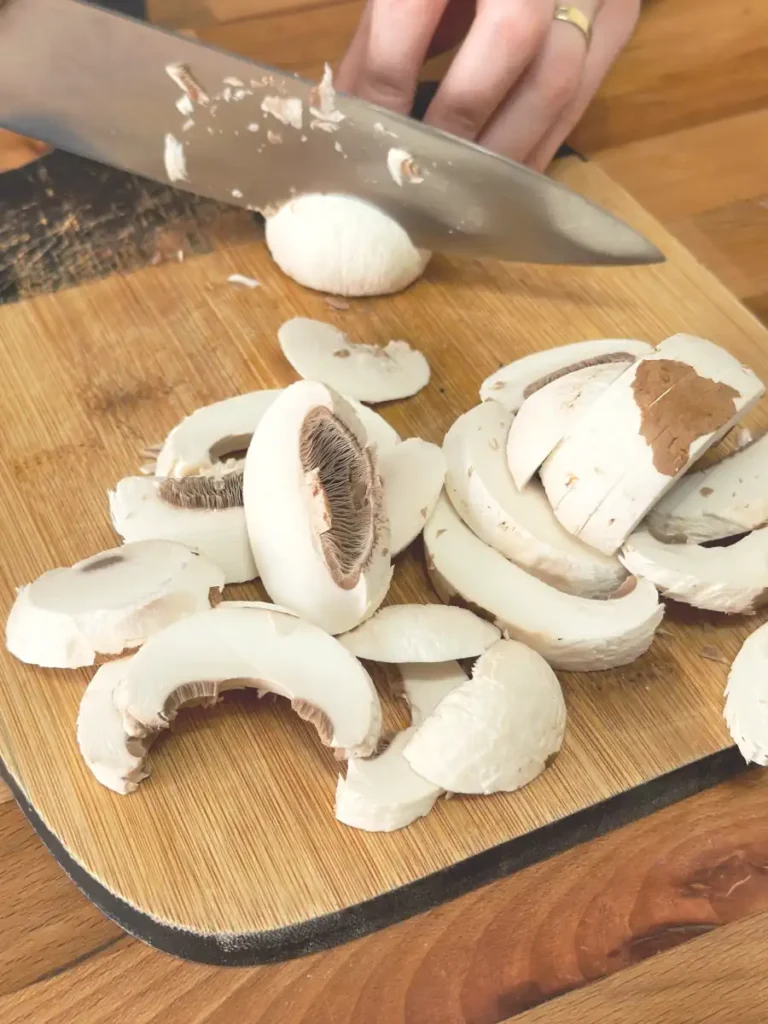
x=553 y=516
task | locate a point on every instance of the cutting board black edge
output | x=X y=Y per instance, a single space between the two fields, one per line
x=355 y=922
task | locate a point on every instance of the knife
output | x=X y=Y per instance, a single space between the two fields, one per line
x=148 y=101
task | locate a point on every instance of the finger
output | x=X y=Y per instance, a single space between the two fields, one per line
x=352 y=61
x=501 y=43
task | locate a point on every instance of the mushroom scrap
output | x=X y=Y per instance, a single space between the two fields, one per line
x=746 y=698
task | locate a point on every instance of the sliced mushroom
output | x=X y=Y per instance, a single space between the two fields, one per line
x=550 y=412
x=731 y=579
x=728 y=498
x=420 y=632
x=204 y=513
x=513 y=383
x=412 y=473
x=369 y=373
x=314 y=508
x=570 y=632
x=233 y=647
x=746 y=707
x=519 y=524
x=426 y=683
x=497 y=731
x=108 y=603
x=643 y=433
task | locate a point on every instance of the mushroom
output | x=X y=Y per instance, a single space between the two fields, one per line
x=746 y=707
x=204 y=513
x=314 y=509
x=412 y=473
x=425 y=683
x=369 y=373
x=518 y=524
x=228 y=648
x=342 y=245
x=498 y=730
x=108 y=603
x=724 y=500
x=641 y=434
x=547 y=415
x=731 y=579
x=513 y=383
x=420 y=632
x=570 y=632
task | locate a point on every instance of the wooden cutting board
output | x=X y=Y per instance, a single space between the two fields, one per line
x=230 y=852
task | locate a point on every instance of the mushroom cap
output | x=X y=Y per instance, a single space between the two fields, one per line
x=497 y=731
x=412 y=474
x=746 y=698
x=369 y=373
x=420 y=632
x=342 y=245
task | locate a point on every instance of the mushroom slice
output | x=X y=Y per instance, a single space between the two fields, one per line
x=412 y=474
x=728 y=498
x=108 y=603
x=746 y=706
x=369 y=373
x=497 y=731
x=512 y=384
x=550 y=412
x=570 y=632
x=204 y=513
x=519 y=524
x=314 y=508
x=420 y=632
x=426 y=683
x=230 y=648
x=731 y=579
x=644 y=432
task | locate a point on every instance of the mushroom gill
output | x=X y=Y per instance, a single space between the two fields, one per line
x=203 y=492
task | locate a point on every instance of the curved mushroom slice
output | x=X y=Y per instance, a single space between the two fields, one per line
x=643 y=433
x=369 y=373
x=550 y=412
x=412 y=474
x=108 y=603
x=277 y=652
x=497 y=731
x=202 y=512
x=731 y=579
x=513 y=383
x=519 y=524
x=746 y=707
x=728 y=498
x=314 y=508
x=426 y=683
x=420 y=632
x=570 y=632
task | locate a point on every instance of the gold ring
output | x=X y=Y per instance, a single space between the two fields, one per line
x=575 y=17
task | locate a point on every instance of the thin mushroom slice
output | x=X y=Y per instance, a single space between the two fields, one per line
x=412 y=474
x=642 y=434
x=108 y=603
x=425 y=684
x=512 y=384
x=518 y=523
x=497 y=731
x=746 y=703
x=570 y=632
x=724 y=500
x=421 y=632
x=369 y=373
x=315 y=511
x=731 y=579
x=234 y=647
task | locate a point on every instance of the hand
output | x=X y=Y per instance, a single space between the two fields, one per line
x=520 y=80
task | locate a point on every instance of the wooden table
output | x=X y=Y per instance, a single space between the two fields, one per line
x=683 y=124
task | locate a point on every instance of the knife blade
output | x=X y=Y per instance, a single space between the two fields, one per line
x=148 y=101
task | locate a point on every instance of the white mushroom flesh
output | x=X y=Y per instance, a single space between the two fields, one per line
x=426 y=683
x=421 y=632
x=412 y=474
x=746 y=698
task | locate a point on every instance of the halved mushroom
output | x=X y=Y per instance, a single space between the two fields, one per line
x=644 y=432
x=728 y=498
x=513 y=383
x=108 y=603
x=412 y=473
x=420 y=632
x=731 y=579
x=314 y=508
x=519 y=524
x=204 y=513
x=570 y=632
x=746 y=707
x=369 y=373
x=233 y=647
x=497 y=731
